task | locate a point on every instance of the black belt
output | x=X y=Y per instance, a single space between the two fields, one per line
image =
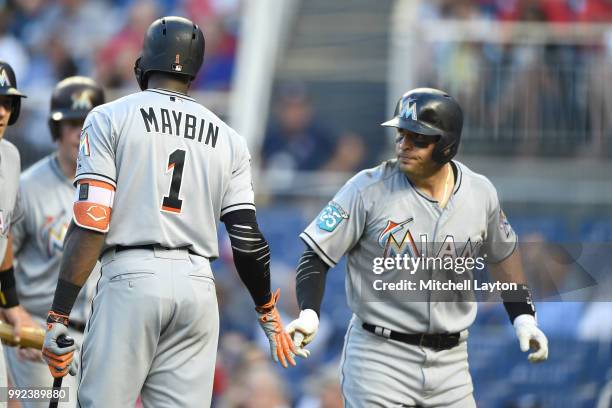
x=78 y=326
x=151 y=247
x=438 y=342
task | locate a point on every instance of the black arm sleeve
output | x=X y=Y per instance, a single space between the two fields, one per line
x=518 y=302
x=310 y=280
x=251 y=253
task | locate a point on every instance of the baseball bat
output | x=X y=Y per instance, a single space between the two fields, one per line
x=32 y=337
x=62 y=341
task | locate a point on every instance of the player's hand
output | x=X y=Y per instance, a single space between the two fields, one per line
x=29 y=354
x=61 y=360
x=19 y=318
x=303 y=330
x=530 y=336
x=281 y=347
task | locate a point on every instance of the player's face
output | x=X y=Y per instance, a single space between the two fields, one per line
x=414 y=153
x=68 y=144
x=6 y=107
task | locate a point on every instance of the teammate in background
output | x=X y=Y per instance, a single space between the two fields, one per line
x=47 y=195
x=155 y=173
x=10 y=210
x=396 y=352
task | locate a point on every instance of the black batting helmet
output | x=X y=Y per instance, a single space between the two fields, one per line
x=73 y=98
x=8 y=87
x=172 y=44
x=431 y=112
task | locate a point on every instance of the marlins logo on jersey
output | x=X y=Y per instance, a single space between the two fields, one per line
x=84 y=143
x=388 y=239
x=54 y=231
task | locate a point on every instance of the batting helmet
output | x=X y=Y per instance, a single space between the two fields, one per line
x=8 y=87
x=73 y=98
x=431 y=112
x=172 y=44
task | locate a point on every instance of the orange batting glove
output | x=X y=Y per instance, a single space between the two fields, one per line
x=281 y=346
x=61 y=360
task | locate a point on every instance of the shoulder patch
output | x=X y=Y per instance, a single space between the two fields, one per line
x=331 y=216
x=504 y=225
x=84 y=143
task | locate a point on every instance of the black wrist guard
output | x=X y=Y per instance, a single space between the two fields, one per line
x=518 y=302
x=65 y=296
x=8 y=289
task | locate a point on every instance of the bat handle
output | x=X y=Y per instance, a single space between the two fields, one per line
x=62 y=341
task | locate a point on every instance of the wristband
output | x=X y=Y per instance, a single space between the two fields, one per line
x=53 y=317
x=8 y=289
x=518 y=302
x=65 y=296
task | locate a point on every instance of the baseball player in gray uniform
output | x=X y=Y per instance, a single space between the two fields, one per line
x=155 y=173
x=10 y=210
x=47 y=195
x=398 y=352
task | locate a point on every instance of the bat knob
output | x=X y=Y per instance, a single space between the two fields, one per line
x=64 y=341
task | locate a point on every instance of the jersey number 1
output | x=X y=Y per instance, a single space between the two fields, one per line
x=176 y=162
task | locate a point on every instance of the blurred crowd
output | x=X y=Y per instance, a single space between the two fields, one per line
x=544 y=94
x=50 y=40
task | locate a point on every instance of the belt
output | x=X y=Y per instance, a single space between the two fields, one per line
x=78 y=326
x=438 y=342
x=151 y=247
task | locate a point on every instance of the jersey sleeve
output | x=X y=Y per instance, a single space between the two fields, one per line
x=96 y=159
x=338 y=227
x=239 y=194
x=501 y=239
x=18 y=224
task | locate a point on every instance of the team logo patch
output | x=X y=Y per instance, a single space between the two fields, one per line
x=54 y=232
x=84 y=149
x=504 y=224
x=4 y=79
x=82 y=100
x=408 y=109
x=331 y=216
x=396 y=239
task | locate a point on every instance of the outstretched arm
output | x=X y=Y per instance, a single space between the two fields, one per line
x=310 y=287
x=252 y=260
x=520 y=307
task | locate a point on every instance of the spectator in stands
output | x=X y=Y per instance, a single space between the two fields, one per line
x=116 y=59
x=296 y=140
x=81 y=26
x=218 y=68
x=11 y=48
x=322 y=389
x=255 y=385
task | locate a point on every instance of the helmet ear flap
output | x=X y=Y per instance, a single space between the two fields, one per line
x=54 y=129
x=139 y=73
x=15 y=110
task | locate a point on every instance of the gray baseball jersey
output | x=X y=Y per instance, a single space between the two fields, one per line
x=378 y=213
x=47 y=196
x=176 y=166
x=10 y=208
